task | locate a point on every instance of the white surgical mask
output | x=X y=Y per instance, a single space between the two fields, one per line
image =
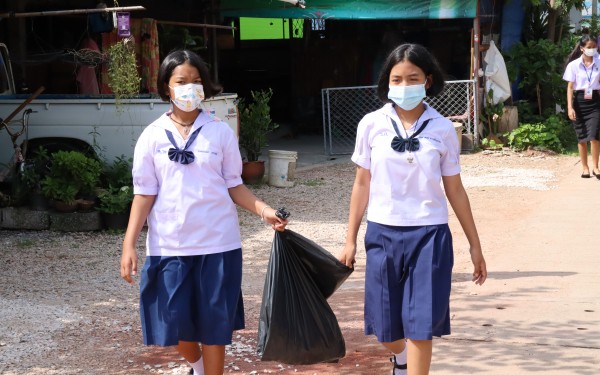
x=407 y=97
x=188 y=97
x=590 y=51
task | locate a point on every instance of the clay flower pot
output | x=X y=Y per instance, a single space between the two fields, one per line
x=253 y=172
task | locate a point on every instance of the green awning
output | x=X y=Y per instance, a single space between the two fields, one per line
x=351 y=9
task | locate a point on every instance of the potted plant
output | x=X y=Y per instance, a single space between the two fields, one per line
x=115 y=203
x=255 y=125
x=71 y=174
x=115 y=199
x=61 y=193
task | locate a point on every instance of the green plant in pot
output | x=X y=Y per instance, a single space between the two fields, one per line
x=255 y=125
x=115 y=203
x=71 y=174
x=61 y=192
x=115 y=200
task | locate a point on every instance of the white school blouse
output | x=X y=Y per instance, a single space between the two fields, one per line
x=403 y=193
x=193 y=213
x=581 y=76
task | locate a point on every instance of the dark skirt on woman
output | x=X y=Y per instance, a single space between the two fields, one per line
x=407 y=281
x=194 y=298
x=588 y=116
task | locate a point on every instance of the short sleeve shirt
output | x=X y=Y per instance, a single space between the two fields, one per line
x=582 y=76
x=403 y=193
x=193 y=213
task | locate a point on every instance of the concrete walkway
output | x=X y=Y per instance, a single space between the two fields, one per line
x=539 y=311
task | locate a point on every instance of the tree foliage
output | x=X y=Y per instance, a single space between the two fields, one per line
x=540 y=65
x=549 y=19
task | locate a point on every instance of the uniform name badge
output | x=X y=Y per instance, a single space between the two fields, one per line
x=588 y=93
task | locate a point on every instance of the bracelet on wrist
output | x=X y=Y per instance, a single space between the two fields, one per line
x=262 y=212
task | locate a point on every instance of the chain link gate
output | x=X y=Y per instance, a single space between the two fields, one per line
x=344 y=107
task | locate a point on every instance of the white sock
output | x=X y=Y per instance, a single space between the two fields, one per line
x=198 y=366
x=400 y=359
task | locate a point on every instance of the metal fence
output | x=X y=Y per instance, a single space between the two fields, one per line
x=344 y=107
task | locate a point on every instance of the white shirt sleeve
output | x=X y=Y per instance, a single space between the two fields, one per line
x=144 y=175
x=449 y=162
x=232 y=160
x=570 y=73
x=362 y=148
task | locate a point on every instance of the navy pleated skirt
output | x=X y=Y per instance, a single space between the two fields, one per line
x=407 y=282
x=191 y=298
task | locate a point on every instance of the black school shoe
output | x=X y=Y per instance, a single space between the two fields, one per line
x=596 y=174
x=396 y=365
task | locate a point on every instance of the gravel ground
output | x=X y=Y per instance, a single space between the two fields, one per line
x=65 y=310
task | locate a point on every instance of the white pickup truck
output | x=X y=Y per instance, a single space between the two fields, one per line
x=78 y=122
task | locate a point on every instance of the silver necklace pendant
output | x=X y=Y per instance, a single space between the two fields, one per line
x=410 y=159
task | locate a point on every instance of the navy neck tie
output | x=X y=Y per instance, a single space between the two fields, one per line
x=182 y=156
x=409 y=144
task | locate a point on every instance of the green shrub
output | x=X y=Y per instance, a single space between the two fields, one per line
x=491 y=144
x=561 y=126
x=58 y=189
x=540 y=66
x=534 y=135
x=118 y=173
x=71 y=173
x=115 y=200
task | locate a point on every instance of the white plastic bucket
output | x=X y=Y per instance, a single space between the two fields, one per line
x=282 y=167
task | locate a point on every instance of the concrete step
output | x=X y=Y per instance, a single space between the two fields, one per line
x=26 y=219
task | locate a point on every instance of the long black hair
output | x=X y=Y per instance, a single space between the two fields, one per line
x=417 y=55
x=582 y=42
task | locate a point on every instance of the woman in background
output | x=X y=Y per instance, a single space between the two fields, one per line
x=583 y=100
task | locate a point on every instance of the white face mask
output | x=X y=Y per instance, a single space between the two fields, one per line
x=407 y=97
x=590 y=51
x=188 y=97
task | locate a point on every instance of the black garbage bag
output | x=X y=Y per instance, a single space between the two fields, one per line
x=297 y=325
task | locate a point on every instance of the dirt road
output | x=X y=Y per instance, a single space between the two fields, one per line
x=64 y=309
